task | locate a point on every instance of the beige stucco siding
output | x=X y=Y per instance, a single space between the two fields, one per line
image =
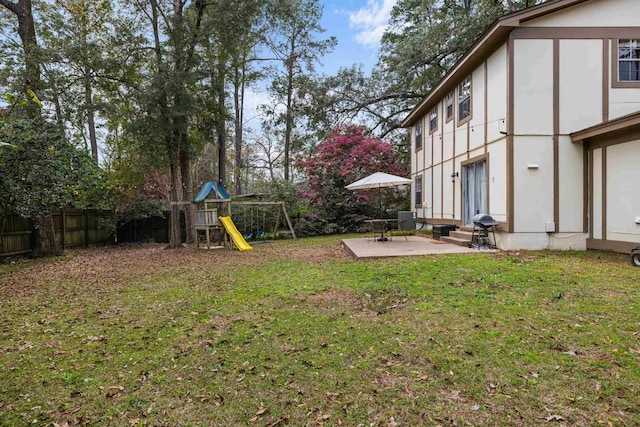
x=437 y=191
x=571 y=186
x=447 y=208
x=580 y=84
x=595 y=13
x=623 y=198
x=533 y=185
x=498 y=180
x=533 y=87
x=597 y=194
x=447 y=134
x=458 y=187
x=477 y=123
x=437 y=149
x=447 y=144
x=623 y=101
x=461 y=137
x=427 y=206
x=497 y=94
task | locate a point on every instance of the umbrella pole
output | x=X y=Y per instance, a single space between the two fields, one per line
x=380 y=200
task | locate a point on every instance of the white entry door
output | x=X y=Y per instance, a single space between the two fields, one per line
x=474 y=190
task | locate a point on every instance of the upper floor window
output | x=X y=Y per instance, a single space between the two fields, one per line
x=628 y=60
x=448 y=106
x=418 y=190
x=433 y=119
x=464 y=99
x=417 y=130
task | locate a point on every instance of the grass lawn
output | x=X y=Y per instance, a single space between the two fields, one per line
x=299 y=334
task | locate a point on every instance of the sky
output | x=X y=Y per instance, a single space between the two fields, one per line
x=358 y=25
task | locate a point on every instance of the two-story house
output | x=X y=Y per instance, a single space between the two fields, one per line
x=538 y=125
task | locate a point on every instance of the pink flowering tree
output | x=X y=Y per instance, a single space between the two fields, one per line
x=348 y=155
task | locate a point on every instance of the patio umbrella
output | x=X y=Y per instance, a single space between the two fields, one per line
x=378 y=180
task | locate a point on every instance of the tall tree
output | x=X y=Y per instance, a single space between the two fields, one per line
x=23 y=11
x=294 y=41
x=169 y=105
x=90 y=49
x=243 y=73
x=234 y=32
x=43 y=173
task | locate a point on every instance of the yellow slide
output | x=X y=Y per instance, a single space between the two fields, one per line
x=237 y=238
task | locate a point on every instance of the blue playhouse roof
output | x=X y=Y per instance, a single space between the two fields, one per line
x=211 y=187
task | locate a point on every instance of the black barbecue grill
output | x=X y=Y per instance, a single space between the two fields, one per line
x=482 y=224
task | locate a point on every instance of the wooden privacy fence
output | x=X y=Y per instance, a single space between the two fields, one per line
x=74 y=227
x=154 y=228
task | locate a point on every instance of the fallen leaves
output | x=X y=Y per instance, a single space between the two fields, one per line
x=261 y=411
x=113 y=392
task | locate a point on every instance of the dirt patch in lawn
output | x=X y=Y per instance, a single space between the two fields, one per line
x=334 y=301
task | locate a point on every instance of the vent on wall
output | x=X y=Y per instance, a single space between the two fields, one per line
x=550 y=227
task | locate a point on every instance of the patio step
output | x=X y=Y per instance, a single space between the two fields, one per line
x=460 y=238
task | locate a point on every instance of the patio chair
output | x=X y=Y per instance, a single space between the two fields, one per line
x=381 y=228
x=403 y=227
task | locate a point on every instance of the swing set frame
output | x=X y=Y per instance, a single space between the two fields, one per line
x=207 y=216
x=282 y=211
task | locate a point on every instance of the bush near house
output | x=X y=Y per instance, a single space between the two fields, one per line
x=347 y=155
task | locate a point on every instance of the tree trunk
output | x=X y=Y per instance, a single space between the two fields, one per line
x=27 y=32
x=91 y=121
x=289 y=115
x=175 y=238
x=238 y=98
x=46 y=241
x=220 y=125
x=187 y=196
x=58 y=109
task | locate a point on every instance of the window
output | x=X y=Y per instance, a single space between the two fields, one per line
x=433 y=119
x=628 y=60
x=417 y=130
x=448 y=105
x=418 y=190
x=464 y=99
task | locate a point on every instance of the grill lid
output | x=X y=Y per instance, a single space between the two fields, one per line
x=484 y=220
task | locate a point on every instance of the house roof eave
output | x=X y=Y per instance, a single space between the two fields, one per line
x=609 y=128
x=494 y=37
x=491 y=40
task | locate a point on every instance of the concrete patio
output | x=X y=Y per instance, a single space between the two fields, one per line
x=366 y=247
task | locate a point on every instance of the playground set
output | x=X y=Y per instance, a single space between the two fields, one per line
x=212 y=200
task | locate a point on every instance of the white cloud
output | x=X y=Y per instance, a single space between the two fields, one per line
x=253 y=99
x=371 y=21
